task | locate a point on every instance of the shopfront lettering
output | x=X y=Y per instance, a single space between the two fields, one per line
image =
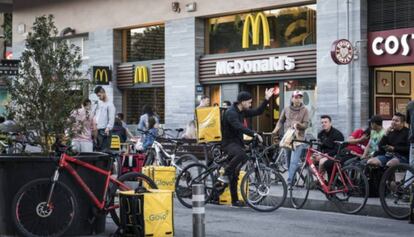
x=239 y=66
x=392 y=44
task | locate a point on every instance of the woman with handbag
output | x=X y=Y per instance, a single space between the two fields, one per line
x=295 y=120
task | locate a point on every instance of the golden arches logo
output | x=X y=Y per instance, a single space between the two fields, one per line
x=101 y=75
x=141 y=75
x=254 y=22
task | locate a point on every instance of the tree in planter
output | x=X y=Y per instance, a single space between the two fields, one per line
x=42 y=94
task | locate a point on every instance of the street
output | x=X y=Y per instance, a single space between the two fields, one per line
x=227 y=221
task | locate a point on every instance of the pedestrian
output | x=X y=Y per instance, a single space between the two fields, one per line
x=143 y=120
x=190 y=131
x=226 y=104
x=120 y=116
x=204 y=102
x=232 y=142
x=410 y=120
x=105 y=118
x=84 y=128
x=119 y=130
x=152 y=133
x=296 y=116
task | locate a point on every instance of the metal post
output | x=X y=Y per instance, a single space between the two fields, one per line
x=198 y=211
x=411 y=217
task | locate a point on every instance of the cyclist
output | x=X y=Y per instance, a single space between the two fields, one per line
x=232 y=142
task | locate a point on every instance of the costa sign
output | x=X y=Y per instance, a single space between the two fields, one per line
x=342 y=51
x=391 y=47
x=239 y=66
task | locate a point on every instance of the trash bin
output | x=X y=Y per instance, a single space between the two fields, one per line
x=18 y=169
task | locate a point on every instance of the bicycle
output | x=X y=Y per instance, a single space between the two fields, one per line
x=395 y=190
x=263 y=188
x=48 y=207
x=347 y=187
x=159 y=156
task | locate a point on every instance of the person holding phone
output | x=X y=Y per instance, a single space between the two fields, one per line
x=394 y=146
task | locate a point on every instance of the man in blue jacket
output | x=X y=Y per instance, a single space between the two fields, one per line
x=232 y=130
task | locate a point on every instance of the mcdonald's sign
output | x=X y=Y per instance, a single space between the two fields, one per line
x=101 y=75
x=254 y=22
x=141 y=75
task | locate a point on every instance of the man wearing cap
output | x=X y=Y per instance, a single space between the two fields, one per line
x=232 y=142
x=295 y=116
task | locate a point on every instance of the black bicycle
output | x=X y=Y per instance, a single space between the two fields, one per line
x=395 y=189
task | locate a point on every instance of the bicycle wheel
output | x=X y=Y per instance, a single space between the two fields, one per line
x=185 y=160
x=195 y=173
x=354 y=199
x=31 y=215
x=394 y=191
x=133 y=180
x=299 y=190
x=263 y=189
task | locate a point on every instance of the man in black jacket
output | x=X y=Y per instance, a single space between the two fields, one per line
x=394 y=146
x=327 y=138
x=232 y=142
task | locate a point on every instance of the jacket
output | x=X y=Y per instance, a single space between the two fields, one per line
x=232 y=123
x=291 y=115
x=328 y=139
x=398 y=139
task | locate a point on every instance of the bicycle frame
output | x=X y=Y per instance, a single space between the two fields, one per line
x=65 y=163
x=161 y=153
x=336 y=168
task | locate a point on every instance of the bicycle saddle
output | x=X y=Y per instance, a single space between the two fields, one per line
x=179 y=129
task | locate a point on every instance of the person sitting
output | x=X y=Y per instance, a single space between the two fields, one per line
x=394 y=146
x=327 y=137
x=376 y=134
x=152 y=130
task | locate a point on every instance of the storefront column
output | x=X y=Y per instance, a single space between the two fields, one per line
x=184 y=43
x=334 y=96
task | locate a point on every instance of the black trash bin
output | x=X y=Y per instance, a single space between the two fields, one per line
x=17 y=170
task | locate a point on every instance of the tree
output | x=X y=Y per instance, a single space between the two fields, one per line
x=42 y=94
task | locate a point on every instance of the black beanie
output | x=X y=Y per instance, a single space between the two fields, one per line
x=243 y=96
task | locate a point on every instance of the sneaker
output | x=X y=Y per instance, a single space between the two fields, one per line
x=224 y=179
x=238 y=204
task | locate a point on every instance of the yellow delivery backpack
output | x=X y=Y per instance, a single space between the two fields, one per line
x=208 y=122
x=146 y=214
x=225 y=197
x=163 y=176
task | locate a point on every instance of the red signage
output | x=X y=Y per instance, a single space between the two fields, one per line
x=391 y=47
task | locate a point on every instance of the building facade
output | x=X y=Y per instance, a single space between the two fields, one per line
x=168 y=54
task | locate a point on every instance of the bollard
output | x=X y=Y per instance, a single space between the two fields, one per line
x=198 y=211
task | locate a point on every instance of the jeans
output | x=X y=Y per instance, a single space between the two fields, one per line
x=288 y=153
x=295 y=161
x=238 y=158
x=103 y=141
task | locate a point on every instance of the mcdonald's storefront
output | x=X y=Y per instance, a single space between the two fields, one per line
x=258 y=50
x=142 y=83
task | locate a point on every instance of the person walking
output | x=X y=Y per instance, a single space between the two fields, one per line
x=84 y=127
x=105 y=118
x=295 y=116
x=232 y=141
x=143 y=120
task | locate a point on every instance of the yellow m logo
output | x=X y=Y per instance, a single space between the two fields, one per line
x=101 y=75
x=141 y=75
x=254 y=22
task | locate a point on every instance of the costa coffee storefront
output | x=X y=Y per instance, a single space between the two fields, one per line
x=391 y=61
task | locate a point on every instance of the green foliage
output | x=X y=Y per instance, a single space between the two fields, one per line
x=42 y=95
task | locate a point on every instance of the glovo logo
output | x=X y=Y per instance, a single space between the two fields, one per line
x=254 y=22
x=101 y=75
x=141 y=75
x=162 y=216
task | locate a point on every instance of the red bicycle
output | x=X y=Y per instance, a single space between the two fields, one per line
x=347 y=187
x=48 y=207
